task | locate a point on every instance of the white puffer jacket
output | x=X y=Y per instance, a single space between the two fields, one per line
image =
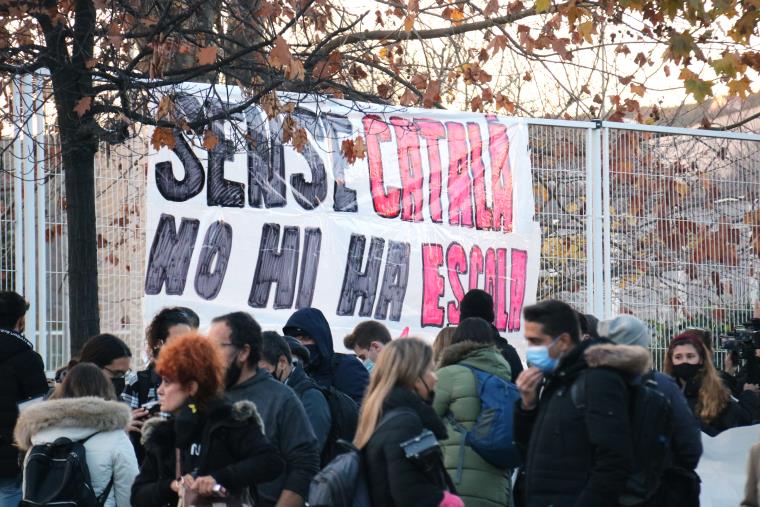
x=109 y=452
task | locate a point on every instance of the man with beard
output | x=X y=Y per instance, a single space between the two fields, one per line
x=22 y=376
x=238 y=335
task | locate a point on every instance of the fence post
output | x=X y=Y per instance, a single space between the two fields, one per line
x=594 y=245
x=18 y=191
x=41 y=186
x=30 y=233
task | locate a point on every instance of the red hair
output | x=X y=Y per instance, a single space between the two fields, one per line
x=193 y=358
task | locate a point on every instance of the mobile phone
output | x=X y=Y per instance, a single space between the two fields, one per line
x=153 y=407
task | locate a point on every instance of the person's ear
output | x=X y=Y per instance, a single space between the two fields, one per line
x=192 y=388
x=566 y=341
x=243 y=353
x=21 y=324
x=283 y=362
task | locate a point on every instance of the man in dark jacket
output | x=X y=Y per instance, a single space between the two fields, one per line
x=575 y=456
x=285 y=421
x=327 y=367
x=22 y=377
x=277 y=359
x=679 y=481
x=479 y=303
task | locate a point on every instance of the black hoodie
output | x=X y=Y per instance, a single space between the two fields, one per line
x=22 y=377
x=345 y=372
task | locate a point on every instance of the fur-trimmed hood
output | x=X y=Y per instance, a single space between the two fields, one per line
x=630 y=359
x=89 y=412
x=157 y=432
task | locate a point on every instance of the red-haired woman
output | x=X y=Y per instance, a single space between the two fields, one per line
x=222 y=446
x=689 y=362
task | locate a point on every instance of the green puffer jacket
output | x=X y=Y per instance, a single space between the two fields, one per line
x=481 y=484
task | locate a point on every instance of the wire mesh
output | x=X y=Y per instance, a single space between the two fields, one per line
x=684 y=231
x=7 y=219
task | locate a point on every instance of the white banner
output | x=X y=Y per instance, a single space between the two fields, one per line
x=723 y=466
x=441 y=203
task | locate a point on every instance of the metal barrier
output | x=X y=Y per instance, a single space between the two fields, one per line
x=663 y=223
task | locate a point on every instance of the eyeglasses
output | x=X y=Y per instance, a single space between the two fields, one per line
x=117 y=374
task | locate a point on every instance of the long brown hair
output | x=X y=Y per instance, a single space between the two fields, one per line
x=713 y=395
x=85 y=379
x=400 y=364
x=442 y=341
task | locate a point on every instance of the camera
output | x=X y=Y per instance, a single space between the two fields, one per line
x=743 y=339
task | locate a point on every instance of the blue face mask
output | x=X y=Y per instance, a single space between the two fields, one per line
x=539 y=357
x=369 y=364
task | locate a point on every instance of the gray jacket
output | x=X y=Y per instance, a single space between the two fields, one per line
x=289 y=430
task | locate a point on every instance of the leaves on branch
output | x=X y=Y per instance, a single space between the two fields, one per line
x=82 y=106
x=210 y=140
x=162 y=137
x=353 y=149
x=543 y=5
x=207 y=55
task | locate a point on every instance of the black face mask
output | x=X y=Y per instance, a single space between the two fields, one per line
x=233 y=375
x=686 y=371
x=118 y=385
x=430 y=393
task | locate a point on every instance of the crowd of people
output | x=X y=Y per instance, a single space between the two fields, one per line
x=239 y=413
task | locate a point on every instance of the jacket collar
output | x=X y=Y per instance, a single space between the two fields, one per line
x=15 y=340
x=88 y=412
x=402 y=397
x=453 y=354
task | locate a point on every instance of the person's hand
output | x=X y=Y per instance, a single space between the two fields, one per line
x=204 y=485
x=752 y=387
x=139 y=415
x=528 y=383
x=186 y=481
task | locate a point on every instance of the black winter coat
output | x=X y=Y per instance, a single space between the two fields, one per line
x=226 y=442
x=394 y=480
x=734 y=415
x=509 y=353
x=581 y=457
x=22 y=377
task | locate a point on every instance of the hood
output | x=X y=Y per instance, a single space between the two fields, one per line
x=315 y=324
x=630 y=359
x=158 y=432
x=12 y=343
x=482 y=356
x=89 y=412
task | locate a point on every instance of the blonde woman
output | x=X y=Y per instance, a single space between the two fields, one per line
x=395 y=412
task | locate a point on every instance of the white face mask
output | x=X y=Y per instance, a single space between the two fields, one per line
x=369 y=364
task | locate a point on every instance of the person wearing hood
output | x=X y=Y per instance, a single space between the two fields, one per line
x=329 y=368
x=574 y=455
x=277 y=358
x=679 y=484
x=22 y=377
x=397 y=410
x=285 y=420
x=479 y=483
x=689 y=361
x=210 y=445
x=479 y=303
x=84 y=408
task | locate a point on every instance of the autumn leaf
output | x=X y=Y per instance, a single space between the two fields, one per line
x=207 y=55
x=492 y=7
x=729 y=65
x=351 y=149
x=300 y=138
x=432 y=94
x=699 y=88
x=409 y=23
x=82 y=106
x=740 y=87
x=91 y=63
x=210 y=140
x=165 y=107
x=280 y=55
x=502 y=102
x=543 y=6
x=586 y=30
x=162 y=137
x=498 y=43
x=639 y=89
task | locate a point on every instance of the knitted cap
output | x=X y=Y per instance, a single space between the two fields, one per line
x=477 y=303
x=625 y=330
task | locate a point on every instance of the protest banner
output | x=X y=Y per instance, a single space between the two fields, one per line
x=723 y=465
x=441 y=202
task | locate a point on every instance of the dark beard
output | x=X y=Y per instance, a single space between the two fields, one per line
x=233 y=375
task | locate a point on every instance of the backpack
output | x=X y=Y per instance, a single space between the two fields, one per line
x=344 y=415
x=56 y=474
x=492 y=435
x=651 y=419
x=343 y=482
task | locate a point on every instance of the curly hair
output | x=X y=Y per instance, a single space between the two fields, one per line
x=713 y=395
x=193 y=358
x=158 y=330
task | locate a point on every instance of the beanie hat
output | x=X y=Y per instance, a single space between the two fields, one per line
x=297 y=349
x=476 y=303
x=626 y=330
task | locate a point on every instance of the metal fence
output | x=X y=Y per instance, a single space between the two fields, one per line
x=662 y=223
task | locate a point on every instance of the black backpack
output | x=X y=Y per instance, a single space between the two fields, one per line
x=344 y=415
x=56 y=474
x=343 y=482
x=651 y=430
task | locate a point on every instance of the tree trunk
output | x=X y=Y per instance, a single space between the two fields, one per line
x=79 y=171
